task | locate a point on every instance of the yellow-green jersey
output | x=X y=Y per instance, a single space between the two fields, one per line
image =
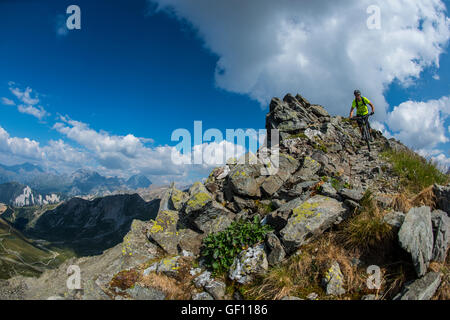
x=361 y=106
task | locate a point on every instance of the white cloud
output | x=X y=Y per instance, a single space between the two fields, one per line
x=8 y=102
x=119 y=155
x=24 y=95
x=420 y=125
x=322 y=49
x=28 y=101
x=438 y=157
x=37 y=112
x=56 y=154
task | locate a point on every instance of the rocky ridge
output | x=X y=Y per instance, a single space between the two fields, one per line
x=324 y=172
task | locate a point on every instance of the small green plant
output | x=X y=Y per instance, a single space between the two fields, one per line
x=265 y=208
x=415 y=172
x=220 y=249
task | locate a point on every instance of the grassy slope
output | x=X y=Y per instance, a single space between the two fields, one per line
x=19 y=255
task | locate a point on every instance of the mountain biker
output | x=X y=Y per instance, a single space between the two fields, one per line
x=360 y=103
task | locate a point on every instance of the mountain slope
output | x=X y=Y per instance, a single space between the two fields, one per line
x=90 y=227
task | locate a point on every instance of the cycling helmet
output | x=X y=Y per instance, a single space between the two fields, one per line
x=356 y=92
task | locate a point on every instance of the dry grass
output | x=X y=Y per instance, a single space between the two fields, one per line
x=401 y=202
x=178 y=288
x=301 y=274
x=171 y=287
x=366 y=231
x=443 y=292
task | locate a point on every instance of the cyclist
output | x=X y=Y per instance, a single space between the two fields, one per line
x=360 y=103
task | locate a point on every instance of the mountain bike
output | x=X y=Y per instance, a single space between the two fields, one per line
x=364 y=123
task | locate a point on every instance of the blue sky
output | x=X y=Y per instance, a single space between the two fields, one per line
x=110 y=95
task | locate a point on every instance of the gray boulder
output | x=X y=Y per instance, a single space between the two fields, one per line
x=248 y=263
x=275 y=249
x=394 y=219
x=242 y=180
x=216 y=289
x=421 y=289
x=416 y=237
x=352 y=194
x=319 y=111
x=310 y=219
x=441 y=231
x=442 y=194
x=139 y=292
x=210 y=218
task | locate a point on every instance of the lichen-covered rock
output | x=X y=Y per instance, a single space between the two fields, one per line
x=334 y=280
x=441 y=231
x=198 y=198
x=163 y=231
x=242 y=180
x=416 y=237
x=421 y=289
x=178 y=198
x=167 y=266
x=276 y=252
x=310 y=219
x=248 y=263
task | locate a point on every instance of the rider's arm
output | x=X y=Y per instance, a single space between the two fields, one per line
x=351 y=112
x=372 y=106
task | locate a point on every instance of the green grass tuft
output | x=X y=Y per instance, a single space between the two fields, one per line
x=415 y=172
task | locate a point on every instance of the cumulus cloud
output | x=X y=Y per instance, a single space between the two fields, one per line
x=119 y=155
x=57 y=154
x=420 y=125
x=322 y=49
